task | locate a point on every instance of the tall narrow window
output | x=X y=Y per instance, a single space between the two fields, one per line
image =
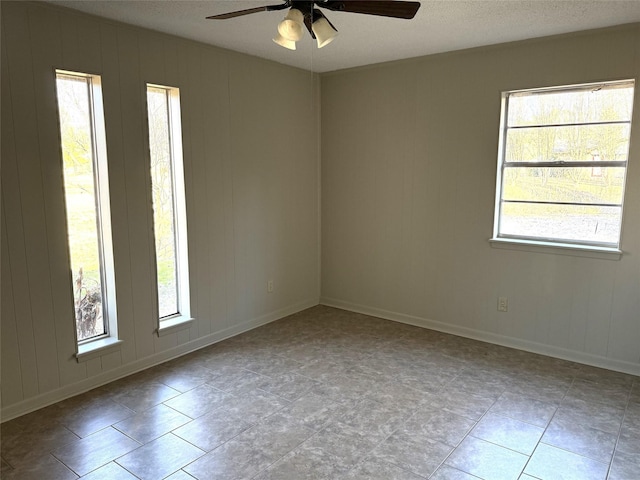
x=169 y=211
x=562 y=164
x=87 y=203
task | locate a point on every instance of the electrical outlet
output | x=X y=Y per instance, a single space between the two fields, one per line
x=503 y=304
x=270 y=286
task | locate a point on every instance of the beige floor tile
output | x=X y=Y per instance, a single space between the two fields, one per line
x=421 y=459
x=463 y=403
x=274 y=437
x=435 y=424
x=230 y=461
x=199 y=401
x=524 y=409
x=313 y=411
x=22 y=446
x=211 y=430
x=376 y=469
x=89 y=453
x=373 y=419
x=110 y=471
x=237 y=381
x=152 y=423
x=186 y=377
x=254 y=406
x=625 y=466
x=160 y=458
x=4 y=466
x=445 y=472
x=595 y=415
x=487 y=460
x=343 y=442
x=612 y=394
x=634 y=396
x=290 y=386
x=629 y=440
x=40 y=468
x=509 y=433
x=144 y=396
x=327 y=393
x=580 y=439
x=96 y=416
x=179 y=475
x=551 y=463
x=305 y=463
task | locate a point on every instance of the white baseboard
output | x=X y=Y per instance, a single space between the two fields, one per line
x=512 y=342
x=35 y=403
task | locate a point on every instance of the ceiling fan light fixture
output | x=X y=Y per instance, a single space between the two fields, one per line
x=292 y=27
x=284 y=42
x=302 y=13
x=324 y=31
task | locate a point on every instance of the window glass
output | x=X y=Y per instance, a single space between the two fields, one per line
x=563 y=164
x=163 y=200
x=78 y=141
x=169 y=203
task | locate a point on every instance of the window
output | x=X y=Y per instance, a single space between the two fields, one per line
x=168 y=199
x=562 y=164
x=86 y=195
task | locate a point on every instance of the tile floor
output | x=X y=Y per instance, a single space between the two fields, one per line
x=332 y=394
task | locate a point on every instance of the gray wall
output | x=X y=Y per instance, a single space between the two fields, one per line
x=409 y=154
x=408 y=173
x=252 y=181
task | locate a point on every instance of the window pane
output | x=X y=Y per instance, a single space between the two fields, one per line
x=555 y=128
x=573 y=223
x=573 y=185
x=597 y=104
x=609 y=142
x=80 y=196
x=163 y=200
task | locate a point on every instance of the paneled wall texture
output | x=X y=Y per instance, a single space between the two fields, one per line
x=409 y=154
x=251 y=165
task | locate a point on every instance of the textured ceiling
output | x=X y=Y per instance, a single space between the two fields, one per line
x=439 y=26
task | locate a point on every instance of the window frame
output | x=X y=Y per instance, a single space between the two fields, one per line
x=107 y=341
x=551 y=244
x=182 y=318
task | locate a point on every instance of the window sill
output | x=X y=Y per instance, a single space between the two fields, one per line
x=556 y=248
x=97 y=348
x=174 y=324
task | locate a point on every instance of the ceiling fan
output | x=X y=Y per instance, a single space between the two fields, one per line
x=302 y=13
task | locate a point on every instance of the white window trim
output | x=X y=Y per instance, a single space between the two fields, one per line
x=174 y=324
x=183 y=319
x=574 y=250
x=99 y=345
x=97 y=348
x=105 y=212
x=553 y=246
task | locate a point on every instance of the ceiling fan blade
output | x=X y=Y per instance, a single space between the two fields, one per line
x=383 y=8
x=239 y=13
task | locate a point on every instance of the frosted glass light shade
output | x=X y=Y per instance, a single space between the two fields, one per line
x=292 y=27
x=324 y=32
x=283 y=42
